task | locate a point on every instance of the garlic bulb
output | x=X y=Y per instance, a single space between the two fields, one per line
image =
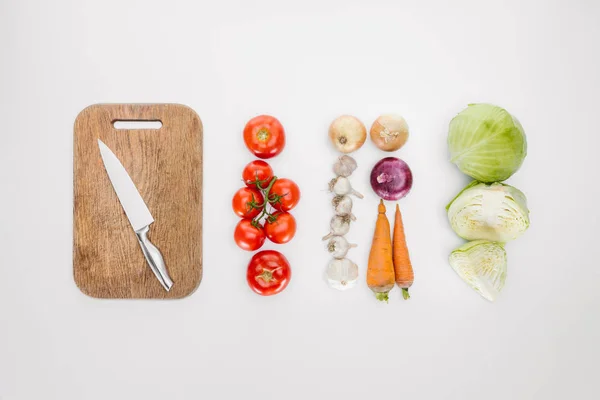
x=341 y=186
x=340 y=225
x=343 y=206
x=338 y=246
x=344 y=166
x=342 y=274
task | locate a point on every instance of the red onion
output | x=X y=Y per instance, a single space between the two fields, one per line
x=391 y=178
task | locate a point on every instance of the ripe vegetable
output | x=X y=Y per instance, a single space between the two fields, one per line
x=341 y=186
x=281 y=228
x=380 y=271
x=264 y=136
x=496 y=212
x=347 y=133
x=258 y=204
x=486 y=142
x=402 y=266
x=391 y=178
x=245 y=202
x=340 y=225
x=482 y=265
x=287 y=193
x=343 y=206
x=338 y=246
x=389 y=132
x=344 y=166
x=257 y=172
x=342 y=274
x=268 y=272
x=248 y=236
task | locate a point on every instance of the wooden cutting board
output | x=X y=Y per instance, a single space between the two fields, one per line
x=166 y=166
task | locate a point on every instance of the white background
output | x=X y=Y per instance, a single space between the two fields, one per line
x=306 y=63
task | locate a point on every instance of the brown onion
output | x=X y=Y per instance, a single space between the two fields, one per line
x=389 y=132
x=347 y=133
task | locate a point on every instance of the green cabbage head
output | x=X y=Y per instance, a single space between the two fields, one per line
x=486 y=142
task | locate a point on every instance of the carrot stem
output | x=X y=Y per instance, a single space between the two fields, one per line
x=382 y=296
x=405 y=293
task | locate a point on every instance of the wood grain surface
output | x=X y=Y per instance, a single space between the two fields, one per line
x=166 y=167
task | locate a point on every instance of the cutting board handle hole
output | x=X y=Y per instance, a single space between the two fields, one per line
x=130 y=124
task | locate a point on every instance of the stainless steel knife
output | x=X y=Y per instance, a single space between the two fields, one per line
x=137 y=212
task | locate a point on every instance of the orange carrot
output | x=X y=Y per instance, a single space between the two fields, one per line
x=380 y=272
x=402 y=265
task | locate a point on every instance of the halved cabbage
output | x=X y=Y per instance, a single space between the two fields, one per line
x=482 y=265
x=486 y=142
x=496 y=212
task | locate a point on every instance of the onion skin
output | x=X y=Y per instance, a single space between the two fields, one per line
x=347 y=133
x=389 y=132
x=391 y=178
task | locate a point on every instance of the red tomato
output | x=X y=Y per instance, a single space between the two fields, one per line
x=247 y=236
x=268 y=272
x=257 y=169
x=288 y=192
x=264 y=136
x=243 y=200
x=282 y=230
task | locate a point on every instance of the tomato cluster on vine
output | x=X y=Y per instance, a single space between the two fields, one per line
x=264 y=206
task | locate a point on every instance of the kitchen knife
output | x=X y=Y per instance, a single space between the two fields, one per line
x=137 y=212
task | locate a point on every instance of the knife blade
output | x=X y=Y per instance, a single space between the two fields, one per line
x=137 y=212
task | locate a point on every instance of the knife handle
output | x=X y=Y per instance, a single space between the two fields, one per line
x=154 y=258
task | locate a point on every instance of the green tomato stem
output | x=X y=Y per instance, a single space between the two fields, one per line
x=267 y=275
x=265 y=212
